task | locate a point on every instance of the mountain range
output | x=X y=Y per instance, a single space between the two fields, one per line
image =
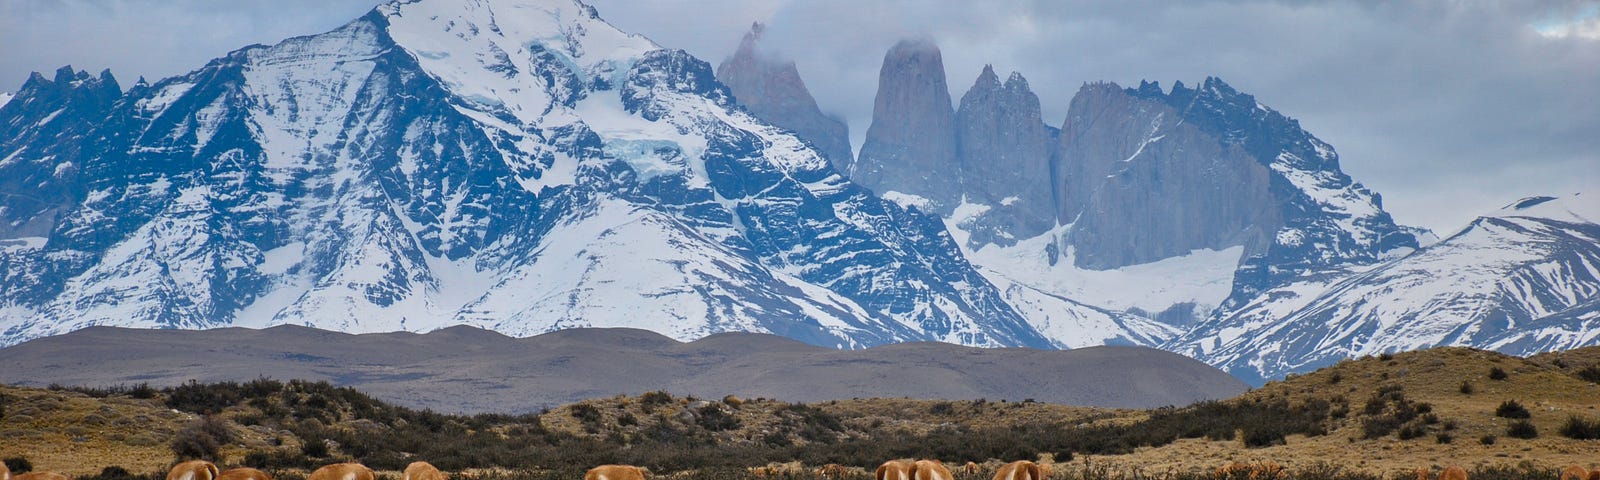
x=525 y=167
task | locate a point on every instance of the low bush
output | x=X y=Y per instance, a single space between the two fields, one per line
x=1513 y=410
x=1579 y=428
x=1522 y=429
x=18 y=465
x=202 y=440
x=1589 y=374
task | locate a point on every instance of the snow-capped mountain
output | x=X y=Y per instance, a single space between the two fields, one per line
x=1521 y=280
x=1184 y=200
x=523 y=166
x=518 y=165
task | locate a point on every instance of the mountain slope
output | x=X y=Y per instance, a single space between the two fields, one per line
x=514 y=164
x=772 y=90
x=1522 y=280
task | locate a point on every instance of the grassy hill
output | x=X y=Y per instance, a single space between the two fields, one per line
x=1375 y=417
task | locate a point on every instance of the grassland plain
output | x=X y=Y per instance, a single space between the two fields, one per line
x=1375 y=417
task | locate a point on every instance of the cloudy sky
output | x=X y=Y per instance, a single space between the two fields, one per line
x=1448 y=108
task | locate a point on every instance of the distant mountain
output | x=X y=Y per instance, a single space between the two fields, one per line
x=1521 y=280
x=1205 y=180
x=910 y=147
x=771 y=89
x=525 y=167
x=518 y=165
x=519 y=375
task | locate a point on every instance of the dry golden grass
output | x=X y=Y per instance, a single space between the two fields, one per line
x=77 y=435
x=1433 y=376
x=80 y=435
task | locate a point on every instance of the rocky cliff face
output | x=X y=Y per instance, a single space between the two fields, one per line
x=1104 y=126
x=910 y=147
x=1004 y=155
x=1156 y=185
x=771 y=89
x=44 y=133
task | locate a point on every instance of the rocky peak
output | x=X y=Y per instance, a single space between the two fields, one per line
x=770 y=88
x=1004 y=155
x=41 y=136
x=911 y=146
x=76 y=86
x=1268 y=185
x=1017 y=83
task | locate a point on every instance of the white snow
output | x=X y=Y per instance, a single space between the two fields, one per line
x=1075 y=325
x=651 y=148
x=1203 y=277
x=22 y=244
x=1448 y=293
x=1347 y=204
x=279 y=260
x=1055 y=298
x=1573 y=208
x=482 y=50
x=907 y=200
x=163 y=98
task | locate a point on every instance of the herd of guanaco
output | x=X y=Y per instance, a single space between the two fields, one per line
x=891 y=470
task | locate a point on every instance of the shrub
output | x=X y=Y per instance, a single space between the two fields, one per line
x=202 y=440
x=1496 y=373
x=942 y=408
x=712 y=417
x=1487 y=439
x=19 y=465
x=1444 y=438
x=586 y=413
x=1590 y=374
x=203 y=398
x=655 y=399
x=1522 y=429
x=1579 y=428
x=1512 y=409
x=1466 y=387
x=313 y=447
x=1409 y=432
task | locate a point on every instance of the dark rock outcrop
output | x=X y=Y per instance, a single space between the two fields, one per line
x=911 y=145
x=1004 y=155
